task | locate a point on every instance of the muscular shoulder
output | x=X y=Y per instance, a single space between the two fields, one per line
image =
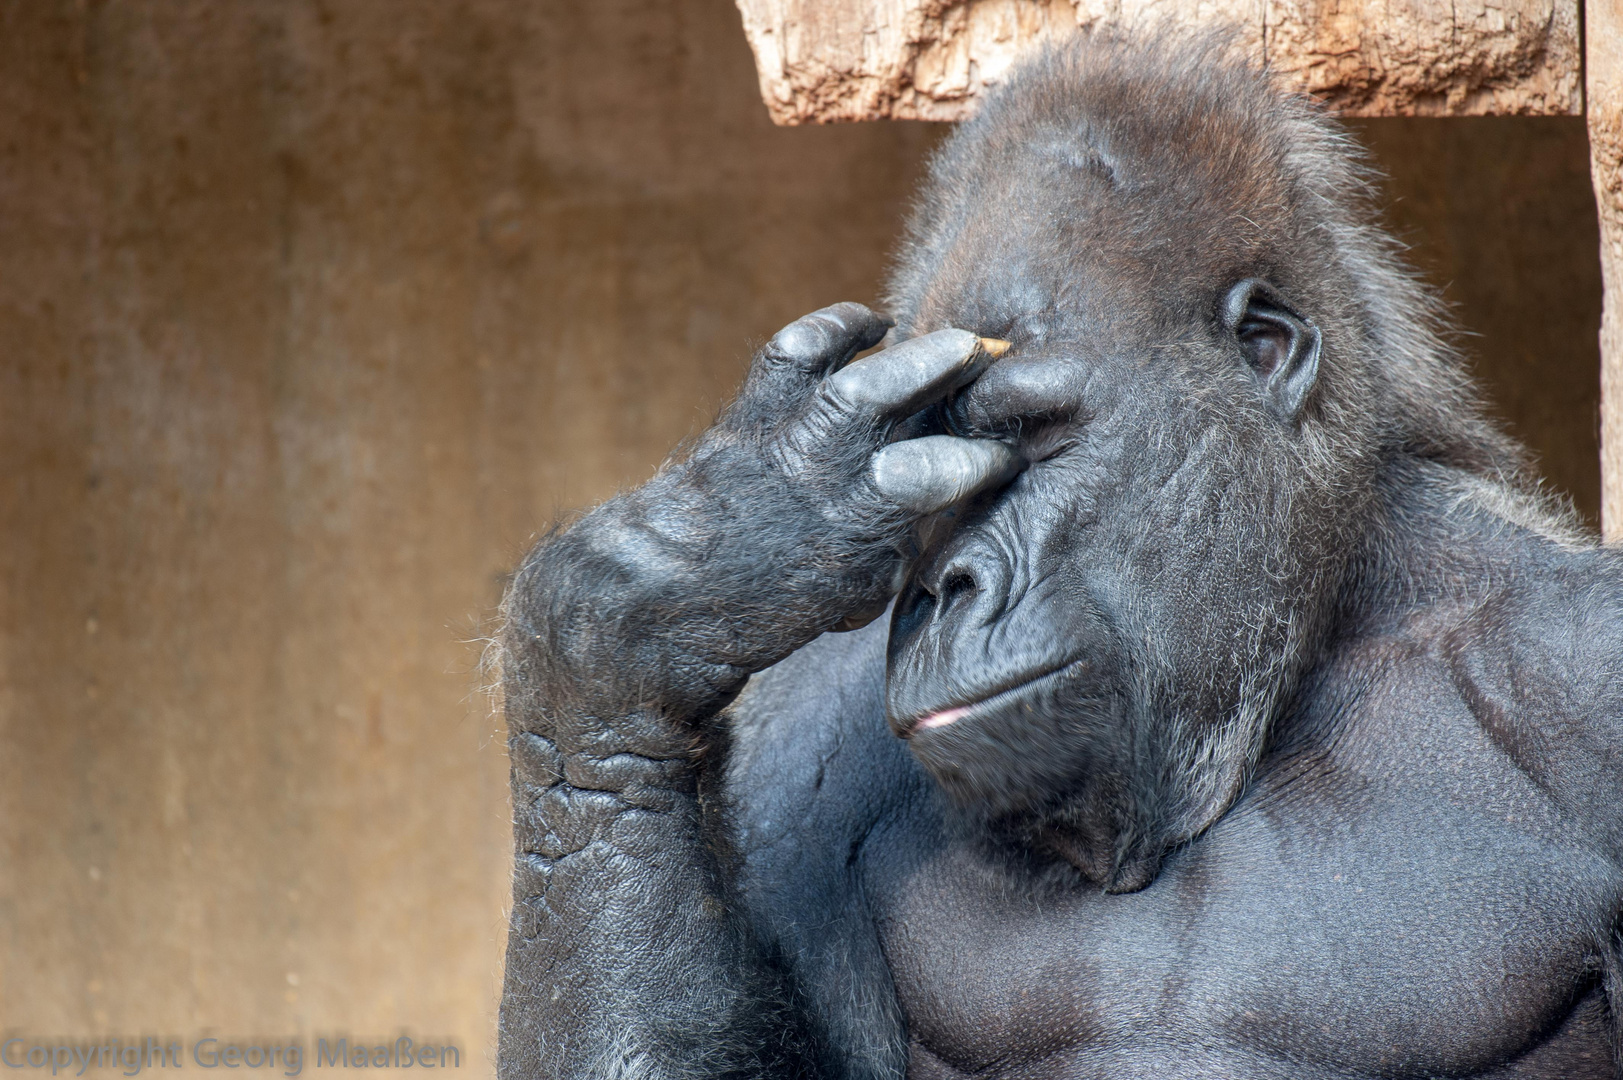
x=1539 y=663
x=1506 y=688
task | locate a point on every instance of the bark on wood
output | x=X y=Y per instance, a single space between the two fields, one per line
x=826 y=60
x=1604 y=32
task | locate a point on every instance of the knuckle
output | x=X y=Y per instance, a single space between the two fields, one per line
x=848 y=385
x=839 y=397
x=847 y=313
x=819 y=340
x=857 y=324
x=802 y=340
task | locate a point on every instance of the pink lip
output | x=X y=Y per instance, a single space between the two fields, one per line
x=1014 y=693
x=942 y=718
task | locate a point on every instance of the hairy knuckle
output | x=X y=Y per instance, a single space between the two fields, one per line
x=803 y=340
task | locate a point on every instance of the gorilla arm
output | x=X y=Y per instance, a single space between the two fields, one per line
x=631 y=629
x=1540 y=665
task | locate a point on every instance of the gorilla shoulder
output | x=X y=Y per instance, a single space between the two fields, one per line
x=1537 y=656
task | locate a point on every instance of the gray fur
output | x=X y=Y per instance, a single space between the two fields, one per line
x=1268 y=723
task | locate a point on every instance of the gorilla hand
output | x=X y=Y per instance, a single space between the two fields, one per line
x=788 y=519
x=626 y=953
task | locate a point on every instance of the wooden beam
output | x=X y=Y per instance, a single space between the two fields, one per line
x=826 y=60
x=1603 y=26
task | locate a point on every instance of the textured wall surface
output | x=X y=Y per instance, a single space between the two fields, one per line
x=1501 y=215
x=310 y=316
x=825 y=60
x=1604 y=74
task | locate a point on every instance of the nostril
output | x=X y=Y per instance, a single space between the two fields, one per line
x=958 y=582
x=912 y=612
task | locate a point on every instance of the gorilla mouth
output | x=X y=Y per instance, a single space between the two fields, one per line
x=1020 y=693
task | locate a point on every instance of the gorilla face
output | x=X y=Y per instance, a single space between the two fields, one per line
x=1103 y=639
x=1088 y=660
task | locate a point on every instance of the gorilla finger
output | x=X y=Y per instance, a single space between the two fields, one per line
x=1053 y=388
x=930 y=474
x=818 y=343
x=906 y=377
x=797 y=358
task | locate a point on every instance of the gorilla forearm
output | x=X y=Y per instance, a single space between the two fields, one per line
x=625 y=957
x=612 y=663
x=628 y=632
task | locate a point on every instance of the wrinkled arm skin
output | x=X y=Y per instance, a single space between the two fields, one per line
x=628 y=632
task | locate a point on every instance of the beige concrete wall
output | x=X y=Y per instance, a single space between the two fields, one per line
x=311 y=314
x=1501 y=214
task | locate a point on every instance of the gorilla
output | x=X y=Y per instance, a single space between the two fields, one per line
x=1243 y=709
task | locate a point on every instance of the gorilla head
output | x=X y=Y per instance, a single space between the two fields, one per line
x=1213 y=359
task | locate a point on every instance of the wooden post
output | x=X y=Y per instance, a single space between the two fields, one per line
x=822 y=60
x=1604 y=31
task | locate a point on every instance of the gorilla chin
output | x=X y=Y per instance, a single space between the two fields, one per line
x=1052 y=764
x=1024 y=763
x=1007 y=751
x=1060 y=769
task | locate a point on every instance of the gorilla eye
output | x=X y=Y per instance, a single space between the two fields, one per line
x=1280 y=346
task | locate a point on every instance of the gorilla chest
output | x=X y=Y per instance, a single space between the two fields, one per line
x=1270 y=947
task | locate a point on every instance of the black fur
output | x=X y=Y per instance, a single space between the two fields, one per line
x=1268 y=724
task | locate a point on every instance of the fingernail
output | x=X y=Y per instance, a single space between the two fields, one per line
x=995 y=347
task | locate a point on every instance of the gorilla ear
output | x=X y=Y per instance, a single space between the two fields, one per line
x=1281 y=346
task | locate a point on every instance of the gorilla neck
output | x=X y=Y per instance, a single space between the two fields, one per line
x=1161 y=786
x=1096 y=837
x=1441 y=533
x=1087 y=835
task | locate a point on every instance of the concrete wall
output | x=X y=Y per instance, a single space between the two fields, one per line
x=311 y=315
x=1501 y=215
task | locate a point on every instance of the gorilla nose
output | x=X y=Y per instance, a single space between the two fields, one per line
x=961 y=586
x=938 y=652
x=951 y=584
